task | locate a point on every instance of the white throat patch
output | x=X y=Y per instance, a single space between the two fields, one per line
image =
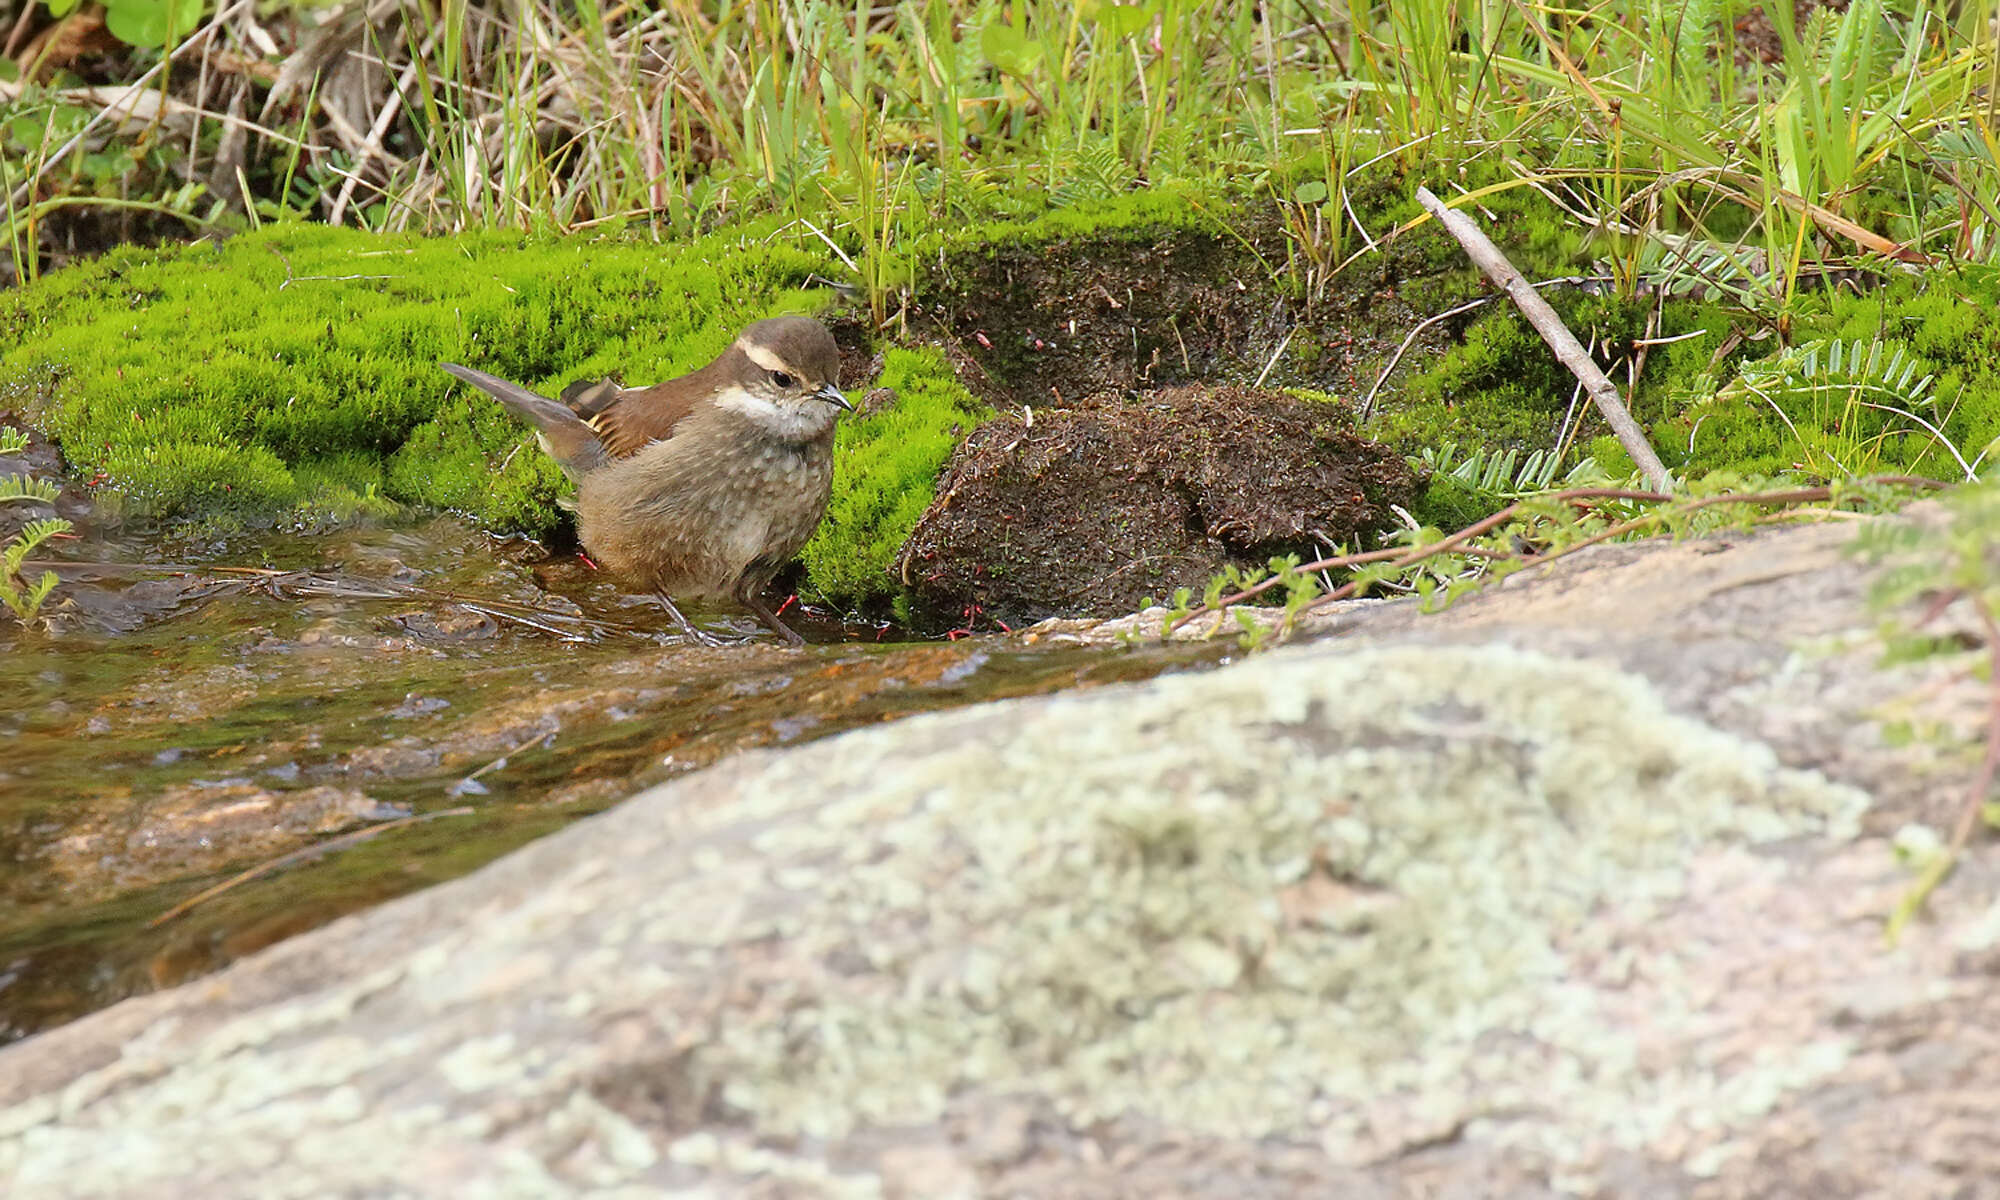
x=786 y=422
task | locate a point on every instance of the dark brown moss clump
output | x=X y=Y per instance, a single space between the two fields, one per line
x=1048 y=323
x=1097 y=505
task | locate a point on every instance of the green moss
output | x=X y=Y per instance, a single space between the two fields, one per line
x=1429 y=268
x=292 y=372
x=1938 y=323
x=1714 y=400
x=1501 y=387
x=1448 y=503
x=340 y=488
x=1611 y=455
x=178 y=474
x=263 y=375
x=885 y=472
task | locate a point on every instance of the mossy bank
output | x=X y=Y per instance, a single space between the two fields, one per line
x=291 y=373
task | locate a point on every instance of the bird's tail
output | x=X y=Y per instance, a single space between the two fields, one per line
x=573 y=444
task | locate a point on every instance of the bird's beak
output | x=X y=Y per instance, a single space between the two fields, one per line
x=831 y=395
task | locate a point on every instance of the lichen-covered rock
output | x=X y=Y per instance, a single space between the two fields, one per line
x=1090 y=508
x=1540 y=897
x=1347 y=901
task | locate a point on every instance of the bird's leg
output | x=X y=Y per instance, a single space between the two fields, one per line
x=687 y=626
x=770 y=619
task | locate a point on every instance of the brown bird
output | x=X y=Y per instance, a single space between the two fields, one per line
x=702 y=486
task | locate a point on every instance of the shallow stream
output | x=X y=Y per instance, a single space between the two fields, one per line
x=204 y=709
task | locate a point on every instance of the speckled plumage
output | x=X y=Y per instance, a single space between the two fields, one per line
x=703 y=486
x=711 y=512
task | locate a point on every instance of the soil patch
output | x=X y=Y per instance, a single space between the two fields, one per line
x=1082 y=500
x=1049 y=322
x=1093 y=507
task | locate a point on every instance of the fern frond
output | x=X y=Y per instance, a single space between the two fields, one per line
x=1504 y=473
x=22 y=598
x=33 y=534
x=1094 y=171
x=1888 y=374
x=27 y=487
x=25 y=602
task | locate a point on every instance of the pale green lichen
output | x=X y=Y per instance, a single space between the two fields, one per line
x=1266 y=924
x=1364 y=902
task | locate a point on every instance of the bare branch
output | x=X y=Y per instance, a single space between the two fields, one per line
x=1487 y=257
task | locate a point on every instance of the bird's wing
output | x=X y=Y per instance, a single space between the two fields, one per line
x=588 y=397
x=628 y=419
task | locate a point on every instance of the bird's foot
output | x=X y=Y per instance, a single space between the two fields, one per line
x=770 y=619
x=695 y=634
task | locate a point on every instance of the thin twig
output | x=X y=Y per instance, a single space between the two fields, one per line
x=1368 y=401
x=470 y=785
x=1568 y=350
x=300 y=855
x=1578 y=497
x=1275 y=355
x=305 y=583
x=1321 y=564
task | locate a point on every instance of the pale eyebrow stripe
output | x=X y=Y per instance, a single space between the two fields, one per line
x=762 y=356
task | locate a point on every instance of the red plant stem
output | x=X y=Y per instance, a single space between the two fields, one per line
x=1573 y=496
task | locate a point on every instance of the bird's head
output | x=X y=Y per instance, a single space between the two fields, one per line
x=787 y=376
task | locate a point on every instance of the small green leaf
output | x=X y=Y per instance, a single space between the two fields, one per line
x=148 y=23
x=1008 y=48
x=1120 y=20
x=109 y=165
x=137 y=24
x=1312 y=191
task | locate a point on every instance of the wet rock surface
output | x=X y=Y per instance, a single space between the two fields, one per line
x=1089 y=508
x=1575 y=889
x=196 y=827
x=199 y=708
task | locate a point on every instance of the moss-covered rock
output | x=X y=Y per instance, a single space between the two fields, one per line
x=295 y=368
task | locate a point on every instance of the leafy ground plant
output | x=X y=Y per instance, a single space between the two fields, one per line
x=1529 y=533
x=1699 y=163
x=1931 y=565
x=22 y=596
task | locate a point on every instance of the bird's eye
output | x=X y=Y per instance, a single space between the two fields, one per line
x=781 y=379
